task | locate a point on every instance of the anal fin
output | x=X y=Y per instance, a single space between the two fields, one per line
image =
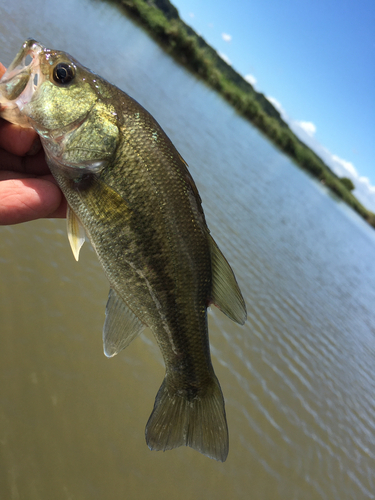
x=226 y=294
x=121 y=325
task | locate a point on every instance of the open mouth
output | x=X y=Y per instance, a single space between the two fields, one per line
x=21 y=79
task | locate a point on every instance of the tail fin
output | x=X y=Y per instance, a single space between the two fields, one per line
x=179 y=421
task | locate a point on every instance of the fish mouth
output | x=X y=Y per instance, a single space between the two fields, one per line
x=21 y=80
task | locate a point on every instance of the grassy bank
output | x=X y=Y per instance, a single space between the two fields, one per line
x=161 y=19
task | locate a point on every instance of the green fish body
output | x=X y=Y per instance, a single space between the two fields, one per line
x=130 y=192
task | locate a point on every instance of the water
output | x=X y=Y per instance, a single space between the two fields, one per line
x=298 y=378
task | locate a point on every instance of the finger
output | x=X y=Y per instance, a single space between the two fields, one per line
x=2 y=69
x=23 y=200
x=16 y=139
x=34 y=165
x=8 y=175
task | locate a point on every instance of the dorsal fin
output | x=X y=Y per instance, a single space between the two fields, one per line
x=121 y=325
x=226 y=294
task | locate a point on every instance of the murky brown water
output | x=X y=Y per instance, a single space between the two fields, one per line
x=298 y=378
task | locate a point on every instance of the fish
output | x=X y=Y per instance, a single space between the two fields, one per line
x=130 y=193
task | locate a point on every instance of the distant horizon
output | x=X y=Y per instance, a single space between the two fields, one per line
x=323 y=85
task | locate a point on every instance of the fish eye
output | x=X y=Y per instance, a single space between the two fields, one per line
x=64 y=73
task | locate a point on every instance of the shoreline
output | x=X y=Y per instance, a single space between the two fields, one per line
x=161 y=20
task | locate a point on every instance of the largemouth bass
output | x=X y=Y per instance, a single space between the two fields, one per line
x=130 y=192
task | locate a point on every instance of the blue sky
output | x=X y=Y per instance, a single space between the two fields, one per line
x=315 y=60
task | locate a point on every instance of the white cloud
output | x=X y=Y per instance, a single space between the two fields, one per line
x=191 y=14
x=364 y=190
x=366 y=182
x=345 y=167
x=278 y=106
x=308 y=127
x=304 y=130
x=226 y=37
x=225 y=58
x=251 y=79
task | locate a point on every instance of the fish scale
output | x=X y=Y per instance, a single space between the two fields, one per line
x=130 y=192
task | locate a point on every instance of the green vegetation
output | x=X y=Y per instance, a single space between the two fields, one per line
x=161 y=19
x=347 y=183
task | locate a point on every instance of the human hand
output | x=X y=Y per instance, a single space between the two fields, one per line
x=28 y=191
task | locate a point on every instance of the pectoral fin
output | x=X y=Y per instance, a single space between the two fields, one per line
x=226 y=294
x=105 y=203
x=76 y=233
x=121 y=325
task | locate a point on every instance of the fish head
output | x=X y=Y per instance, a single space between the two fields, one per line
x=45 y=88
x=66 y=103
